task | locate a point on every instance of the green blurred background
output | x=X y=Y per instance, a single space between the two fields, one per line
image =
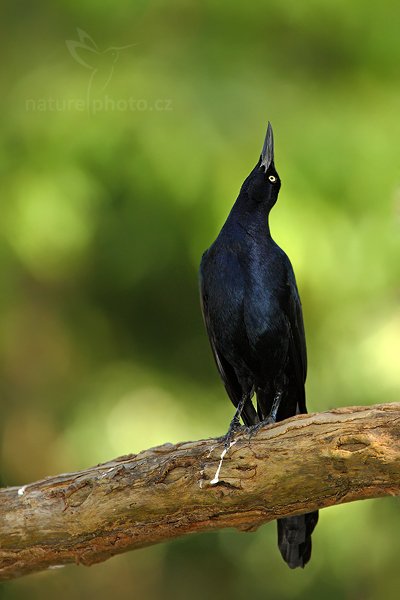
x=118 y=168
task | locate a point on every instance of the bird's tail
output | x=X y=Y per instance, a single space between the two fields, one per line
x=294 y=538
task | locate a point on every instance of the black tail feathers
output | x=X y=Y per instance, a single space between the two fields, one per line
x=294 y=538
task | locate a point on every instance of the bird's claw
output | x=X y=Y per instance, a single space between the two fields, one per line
x=254 y=429
x=234 y=427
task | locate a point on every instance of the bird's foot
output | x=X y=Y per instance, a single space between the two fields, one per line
x=254 y=429
x=234 y=427
x=235 y=423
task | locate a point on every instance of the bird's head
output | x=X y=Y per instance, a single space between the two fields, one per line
x=263 y=183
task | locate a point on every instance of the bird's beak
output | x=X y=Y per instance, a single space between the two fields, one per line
x=267 y=154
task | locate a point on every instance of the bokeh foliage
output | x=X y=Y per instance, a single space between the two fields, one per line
x=110 y=195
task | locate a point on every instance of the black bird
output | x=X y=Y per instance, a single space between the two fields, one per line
x=252 y=312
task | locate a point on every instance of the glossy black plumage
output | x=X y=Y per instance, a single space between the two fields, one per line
x=254 y=321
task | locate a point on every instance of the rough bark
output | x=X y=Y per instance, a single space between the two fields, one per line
x=304 y=463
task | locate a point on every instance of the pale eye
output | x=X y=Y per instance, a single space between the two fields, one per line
x=272 y=178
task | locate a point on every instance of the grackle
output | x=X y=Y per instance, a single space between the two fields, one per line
x=252 y=312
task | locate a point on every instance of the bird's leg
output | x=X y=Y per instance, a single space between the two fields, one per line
x=271 y=419
x=235 y=423
x=233 y=427
x=275 y=407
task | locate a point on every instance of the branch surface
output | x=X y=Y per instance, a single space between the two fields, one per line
x=304 y=463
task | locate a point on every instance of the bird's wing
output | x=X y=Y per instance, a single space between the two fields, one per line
x=233 y=386
x=297 y=327
x=297 y=346
x=226 y=371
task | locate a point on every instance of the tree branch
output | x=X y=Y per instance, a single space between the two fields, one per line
x=304 y=463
